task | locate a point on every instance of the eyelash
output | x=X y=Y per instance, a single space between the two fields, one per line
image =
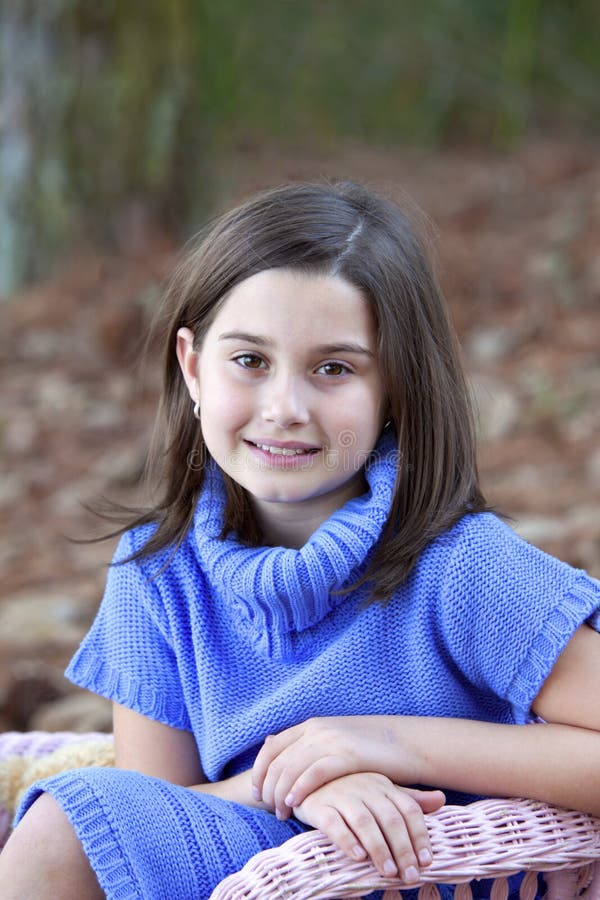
x=246 y=356
x=345 y=370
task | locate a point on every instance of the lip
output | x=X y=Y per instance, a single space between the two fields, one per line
x=284 y=445
x=281 y=460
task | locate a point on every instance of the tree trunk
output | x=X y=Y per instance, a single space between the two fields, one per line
x=95 y=102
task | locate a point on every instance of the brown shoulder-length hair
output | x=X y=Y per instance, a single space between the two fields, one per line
x=341 y=229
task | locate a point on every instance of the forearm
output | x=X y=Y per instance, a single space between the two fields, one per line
x=555 y=763
x=237 y=789
x=559 y=764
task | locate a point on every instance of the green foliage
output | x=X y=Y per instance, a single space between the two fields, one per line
x=95 y=99
x=397 y=70
x=104 y=105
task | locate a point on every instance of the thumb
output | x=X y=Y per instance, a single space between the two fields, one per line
x=429 y=801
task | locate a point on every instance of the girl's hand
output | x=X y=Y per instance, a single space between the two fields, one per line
x=367 y=815
x=297 y=761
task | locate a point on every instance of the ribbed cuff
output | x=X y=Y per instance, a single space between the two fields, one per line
x=92 y=823
x=87 y=671
x=580 y=603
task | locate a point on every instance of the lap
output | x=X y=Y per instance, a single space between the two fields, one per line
x=146 y=838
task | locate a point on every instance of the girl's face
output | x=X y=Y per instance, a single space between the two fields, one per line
x=291 y=397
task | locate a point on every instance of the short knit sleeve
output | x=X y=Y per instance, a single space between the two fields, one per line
x=127 y=654
x=509 y=609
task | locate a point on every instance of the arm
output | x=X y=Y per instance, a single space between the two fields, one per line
x=363 y=813
x=149 y=747
x=558 y=763
x=156 y=749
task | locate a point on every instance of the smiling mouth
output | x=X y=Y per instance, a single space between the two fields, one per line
x=285 y=451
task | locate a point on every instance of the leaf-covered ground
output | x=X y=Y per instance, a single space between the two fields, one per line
x=517 y=242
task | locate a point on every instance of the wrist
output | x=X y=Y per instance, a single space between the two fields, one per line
x=237 y=789
x=405 y=747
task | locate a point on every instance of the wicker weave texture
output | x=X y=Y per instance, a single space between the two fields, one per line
x=487 y=839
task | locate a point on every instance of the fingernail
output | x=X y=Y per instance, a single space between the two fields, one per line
x=255 y=792
x=424 y=857
x=411 y=874
x=358 y=852
x=279 y=814
x=389 y=868
x=290 y=800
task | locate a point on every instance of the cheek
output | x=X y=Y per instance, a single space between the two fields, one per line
x=222 y=410
x=380 y=405
x=366 y=410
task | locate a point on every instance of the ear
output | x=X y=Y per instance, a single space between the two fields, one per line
x=189 y=361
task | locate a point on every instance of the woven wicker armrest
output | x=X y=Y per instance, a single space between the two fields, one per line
x=487 y=839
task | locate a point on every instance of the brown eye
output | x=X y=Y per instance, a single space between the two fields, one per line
x=249 y=361
x=333 y=368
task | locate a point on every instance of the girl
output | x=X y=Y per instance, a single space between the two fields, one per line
x=320 y=567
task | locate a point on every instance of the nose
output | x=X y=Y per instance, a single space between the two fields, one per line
x=285 y=402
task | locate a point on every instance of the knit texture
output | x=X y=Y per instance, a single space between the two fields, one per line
x=234 y=643
x=151 y=840
x=273 y=591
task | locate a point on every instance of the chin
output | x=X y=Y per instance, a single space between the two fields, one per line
x=282 y=497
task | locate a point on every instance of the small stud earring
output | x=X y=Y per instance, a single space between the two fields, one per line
x=197 y=409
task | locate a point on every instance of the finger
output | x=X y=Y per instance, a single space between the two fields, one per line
x=287 y=767
x=290 y=792
x=410 y=843
x=273 y=745
x=373 y=824
x=298 y=771
x=334 y=825
x=429 y=801
x=282 y=771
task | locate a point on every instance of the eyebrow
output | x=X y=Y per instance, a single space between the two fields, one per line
x=244 y=336
x=324 y=349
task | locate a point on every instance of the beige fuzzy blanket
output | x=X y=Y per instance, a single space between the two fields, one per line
x=19 y=771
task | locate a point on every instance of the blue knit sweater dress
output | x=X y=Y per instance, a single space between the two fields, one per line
x=233 y=643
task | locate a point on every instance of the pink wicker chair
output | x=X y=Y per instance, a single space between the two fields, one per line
x=487 y=839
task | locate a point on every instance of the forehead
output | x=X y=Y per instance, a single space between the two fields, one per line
x=293 y=301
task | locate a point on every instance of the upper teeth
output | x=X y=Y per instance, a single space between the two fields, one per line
x=281 y=451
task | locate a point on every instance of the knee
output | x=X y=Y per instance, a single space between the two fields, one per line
x=44 y=858
x=45 y=831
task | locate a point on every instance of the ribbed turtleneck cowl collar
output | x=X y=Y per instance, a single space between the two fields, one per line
x=274 y=591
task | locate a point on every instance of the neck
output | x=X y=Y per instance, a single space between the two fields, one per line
x=320 y=547
x=291 y=524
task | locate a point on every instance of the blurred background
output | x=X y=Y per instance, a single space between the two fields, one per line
x=124 y=127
